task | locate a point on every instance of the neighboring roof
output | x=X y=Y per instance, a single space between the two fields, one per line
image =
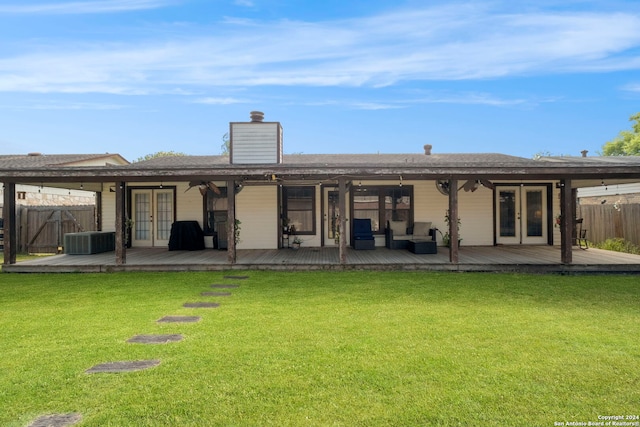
x=37 y=160
x=593 y=160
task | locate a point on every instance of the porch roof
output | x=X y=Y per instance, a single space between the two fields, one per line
x=586 y=171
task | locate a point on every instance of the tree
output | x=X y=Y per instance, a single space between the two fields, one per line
x=159 y=154
x=627 y=143
x=225 y=148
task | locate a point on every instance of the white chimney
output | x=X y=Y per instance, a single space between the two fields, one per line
x=255 y=142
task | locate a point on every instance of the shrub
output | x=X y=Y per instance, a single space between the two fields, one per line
x=619 y=245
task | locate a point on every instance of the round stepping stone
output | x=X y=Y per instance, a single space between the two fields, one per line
x=179 y=319
x=56 y=420
x=236 y=277
x=224 y=286
x=127 y=366
x=201 y=305
x=155 y=339
x=215 y=294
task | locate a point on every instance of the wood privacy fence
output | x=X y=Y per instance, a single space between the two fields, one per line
x=42 y=228
x=610 y=221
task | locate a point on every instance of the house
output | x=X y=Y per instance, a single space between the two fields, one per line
x=496 y=199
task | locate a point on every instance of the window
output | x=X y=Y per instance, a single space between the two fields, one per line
x=382 y=204
x=298 y=205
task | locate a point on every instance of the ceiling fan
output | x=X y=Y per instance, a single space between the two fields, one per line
x=471 y=185
x=203 y=187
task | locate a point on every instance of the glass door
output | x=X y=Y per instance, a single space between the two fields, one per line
x=152 y=214
x=521 y=215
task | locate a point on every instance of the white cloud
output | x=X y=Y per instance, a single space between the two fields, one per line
x=244 y=3
x=438 y=43
x=219 y=101
x=82 y=7
x=632 y=87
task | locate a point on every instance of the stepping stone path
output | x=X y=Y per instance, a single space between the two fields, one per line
x=155 y=339
x=215 y=294
x=64 y=420
x=112 y=367
x=179 y=319
x=201 y=305
x=56 y=420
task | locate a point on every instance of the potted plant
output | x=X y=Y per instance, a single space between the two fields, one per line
x=236 y=231
x=446 y=238
x=296 y=243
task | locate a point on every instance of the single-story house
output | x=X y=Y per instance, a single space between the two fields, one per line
x=256 y=197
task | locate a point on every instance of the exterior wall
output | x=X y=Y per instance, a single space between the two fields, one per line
x=188 y=203
x=256 y=143
x=34 y=195
x=257 y=210
x=475 y=211
x=108 y=208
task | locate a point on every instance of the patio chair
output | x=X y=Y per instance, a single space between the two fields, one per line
x=398 y=233
x=582 y=235
x=362 y=234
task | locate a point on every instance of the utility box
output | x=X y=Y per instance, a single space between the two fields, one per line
x=89 y=242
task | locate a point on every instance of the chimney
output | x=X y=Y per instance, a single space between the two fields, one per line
x=257 y=116
x=584 y=153
x=255 y=142
x=427 y=149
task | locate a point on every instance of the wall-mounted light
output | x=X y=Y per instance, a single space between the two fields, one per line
x=400 y=180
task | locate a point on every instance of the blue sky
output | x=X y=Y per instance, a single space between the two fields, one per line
x=139 y=76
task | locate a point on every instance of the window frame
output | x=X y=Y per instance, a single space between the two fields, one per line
x=383 y=191
x=314 y=208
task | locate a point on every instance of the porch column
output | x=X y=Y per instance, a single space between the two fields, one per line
x=121 y=249
x=231 y=222
x=566 y=221
x=10 y=227
x=342 y=212
x=453 y=221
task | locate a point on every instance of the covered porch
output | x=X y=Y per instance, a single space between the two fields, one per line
x=533 y=259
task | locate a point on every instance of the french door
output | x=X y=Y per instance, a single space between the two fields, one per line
x=521 y=215
x=152 y=214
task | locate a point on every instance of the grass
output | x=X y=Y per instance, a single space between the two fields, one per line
x=323 y=348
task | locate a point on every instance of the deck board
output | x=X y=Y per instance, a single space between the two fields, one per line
x=471 y=258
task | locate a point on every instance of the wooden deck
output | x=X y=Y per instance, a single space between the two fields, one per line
x=541 y=259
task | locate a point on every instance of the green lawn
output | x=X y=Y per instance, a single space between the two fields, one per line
x=323 y=348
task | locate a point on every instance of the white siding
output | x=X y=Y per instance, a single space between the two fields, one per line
x=256 y=143
x=475 y=211
x=108 y=208
x=257 y=210
x=188 y=203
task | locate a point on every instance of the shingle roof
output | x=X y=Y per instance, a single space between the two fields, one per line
x=345 y=160
x=36 y=160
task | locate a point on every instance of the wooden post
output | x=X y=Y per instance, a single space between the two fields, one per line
x=453 y=221
x=566 y=221
x=342 y=212
x=121 y=250
x=10 y=239
x=231 y=222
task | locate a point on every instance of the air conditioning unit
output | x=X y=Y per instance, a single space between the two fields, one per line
x=89 y=242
